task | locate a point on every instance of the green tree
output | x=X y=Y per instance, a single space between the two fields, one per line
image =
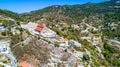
x=86 y=57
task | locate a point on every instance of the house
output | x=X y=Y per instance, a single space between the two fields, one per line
x=64 y=42
x=63 y=45
x=15 y=31
x=71 y=43
x=65 y=39
x=25 y=64
x=47 y=33
x=4 y=49
x=55 y=39
x=39 y=29
x=74 y=43
x=2 y=28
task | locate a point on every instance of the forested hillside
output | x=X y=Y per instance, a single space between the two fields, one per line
x=10 y=14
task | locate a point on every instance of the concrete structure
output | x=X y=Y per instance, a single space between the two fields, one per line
x=4 y=49
x=74 y=43
x=30 y=26
x=15 y=31
x=47 y=33
x=2 y=28
x=39 y=29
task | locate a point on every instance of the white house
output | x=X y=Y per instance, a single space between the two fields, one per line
x=74 y=43
x=47 y=33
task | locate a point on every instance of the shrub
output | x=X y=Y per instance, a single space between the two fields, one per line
x=86 y=57
x=57 y=44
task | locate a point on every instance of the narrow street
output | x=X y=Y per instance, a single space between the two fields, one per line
x=5 y=50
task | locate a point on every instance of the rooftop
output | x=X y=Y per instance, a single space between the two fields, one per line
x=39 y=29
x=25 y=64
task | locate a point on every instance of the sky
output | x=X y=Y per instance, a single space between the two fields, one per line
x=21 y=6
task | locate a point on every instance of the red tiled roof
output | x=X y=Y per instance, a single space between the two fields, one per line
x=39 y=29
x=24 y=64
x=65 y=39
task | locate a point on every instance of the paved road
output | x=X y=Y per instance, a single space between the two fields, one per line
x=5 y=65
x=6 y=51
x=12 y=58
x=115 y=41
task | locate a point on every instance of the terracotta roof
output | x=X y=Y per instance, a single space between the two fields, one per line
x=24 y=64
x=39 y=29
x=65 y=39
x=103 y=66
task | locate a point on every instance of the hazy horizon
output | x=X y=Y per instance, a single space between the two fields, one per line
x=21 y=6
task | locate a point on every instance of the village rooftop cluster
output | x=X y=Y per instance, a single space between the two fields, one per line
x=48 y=34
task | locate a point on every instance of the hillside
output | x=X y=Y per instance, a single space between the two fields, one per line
x=66 y=35
x=108 y=12
x=76 y=11
x=10 y=14
x=80 y=22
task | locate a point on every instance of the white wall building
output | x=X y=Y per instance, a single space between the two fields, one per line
x=47 y=33
x=74 y=43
